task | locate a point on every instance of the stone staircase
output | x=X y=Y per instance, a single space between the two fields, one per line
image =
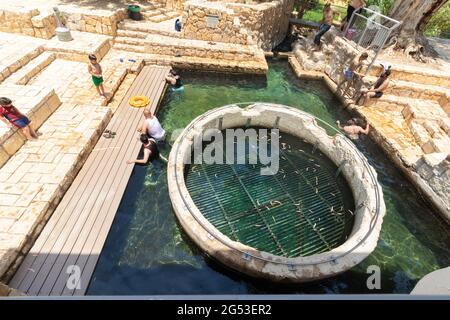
x=25 y=73
x=156 y=12
x=411 y=121
x=160 y=42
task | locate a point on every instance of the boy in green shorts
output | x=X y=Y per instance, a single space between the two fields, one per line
x=96 y=71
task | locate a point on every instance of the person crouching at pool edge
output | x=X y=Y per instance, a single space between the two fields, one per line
x=95 y=70
x=174 y=79
x=377 y=89
x=151 y=151
x=152 y=127
x=11 y=116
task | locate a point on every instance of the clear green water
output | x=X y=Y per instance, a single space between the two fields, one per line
x=147 y=253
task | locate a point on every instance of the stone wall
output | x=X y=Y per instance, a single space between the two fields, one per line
x=410 y=122
x=228 y=28
x=28 y=22
x=101 y=22
x=267 y=22
x=263 y=23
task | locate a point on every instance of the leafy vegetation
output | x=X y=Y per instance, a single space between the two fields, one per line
x=439 y=25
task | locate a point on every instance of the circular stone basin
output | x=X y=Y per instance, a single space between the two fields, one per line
x=317 y=215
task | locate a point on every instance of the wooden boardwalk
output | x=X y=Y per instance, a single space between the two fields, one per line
x=70 y=244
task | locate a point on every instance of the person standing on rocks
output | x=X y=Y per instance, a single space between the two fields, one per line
x=12 y=117
x=354 y=6
x=327 y=22
x=351 y=74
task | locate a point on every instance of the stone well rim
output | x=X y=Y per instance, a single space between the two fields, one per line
x=326 y=257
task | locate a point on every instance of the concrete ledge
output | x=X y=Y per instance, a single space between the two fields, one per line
x=37 y=103
x=367 y=193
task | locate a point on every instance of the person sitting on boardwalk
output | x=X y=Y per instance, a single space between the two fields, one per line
x=95 y=70
x=354 y=6
x=351 y=74
x=327 y=22
x=152 y=126
x=13 y=117
x=352 y=128
x=376 y=91
x=174 y=79
x=150 y=148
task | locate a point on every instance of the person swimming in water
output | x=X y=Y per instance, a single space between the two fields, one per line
x=174 y=79
x=352 y=128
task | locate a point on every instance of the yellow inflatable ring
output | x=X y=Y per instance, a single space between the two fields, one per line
x=138 y=101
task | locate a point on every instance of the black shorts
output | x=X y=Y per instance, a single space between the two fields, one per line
x=378 y=94
x=350 y=11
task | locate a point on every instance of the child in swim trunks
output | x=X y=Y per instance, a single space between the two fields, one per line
x=14 y=118
x=95 y=70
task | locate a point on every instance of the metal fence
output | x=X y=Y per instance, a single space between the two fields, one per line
x=369 y=30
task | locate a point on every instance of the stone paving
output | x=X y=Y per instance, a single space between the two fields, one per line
x=35 y=178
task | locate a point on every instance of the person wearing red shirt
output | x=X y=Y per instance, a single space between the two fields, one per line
x=14 y=118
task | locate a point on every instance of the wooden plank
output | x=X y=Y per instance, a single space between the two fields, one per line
x=76 y=228
x=92 y=258
x=85 y=238
x=59 y=234
x=23 y=277
x=94 y=189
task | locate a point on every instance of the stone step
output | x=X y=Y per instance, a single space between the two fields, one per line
x=177 y=46
x=36 y=102
x=412 y=89
x=151 y=13
x=140 y=30
x=164 y=16
x=416 y=74
x=152 y=6
x=24 y=74
x=257 y=65
x=14 y=63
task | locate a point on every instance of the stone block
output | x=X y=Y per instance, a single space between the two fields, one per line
x=13 y=143
x=4 y=290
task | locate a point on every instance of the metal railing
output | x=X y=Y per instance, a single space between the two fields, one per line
x=369 y=30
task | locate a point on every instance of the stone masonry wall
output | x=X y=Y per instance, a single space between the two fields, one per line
x=28 y=22
x=228 y=28
x=43 y=25
x=267 y=22
x=421 y=114
x=104 y=22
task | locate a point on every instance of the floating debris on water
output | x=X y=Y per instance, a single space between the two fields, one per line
x=274 y=202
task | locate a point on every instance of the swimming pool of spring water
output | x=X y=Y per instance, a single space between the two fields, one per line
x=147 y=253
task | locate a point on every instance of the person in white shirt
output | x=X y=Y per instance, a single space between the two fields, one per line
x=152 y=126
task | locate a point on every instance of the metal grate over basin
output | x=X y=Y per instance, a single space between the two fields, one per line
x=305 y=208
